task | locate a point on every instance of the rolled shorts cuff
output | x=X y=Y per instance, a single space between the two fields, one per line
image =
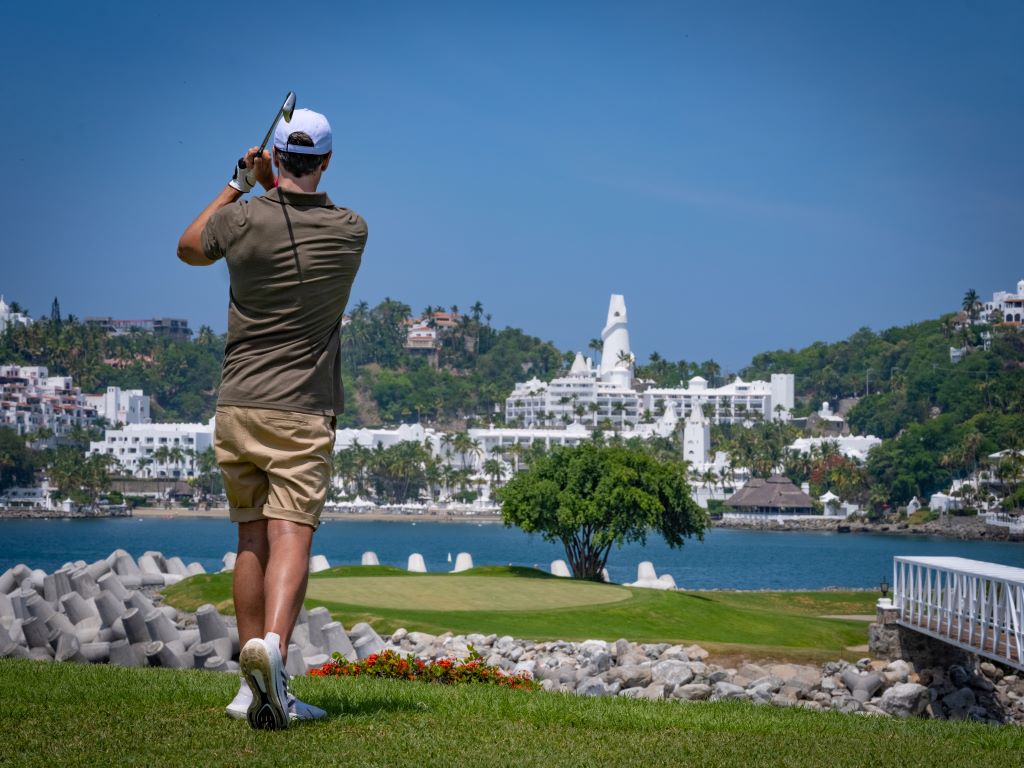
x=292 y=515
x=245 y=514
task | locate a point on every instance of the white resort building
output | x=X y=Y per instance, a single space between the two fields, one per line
x=609 y=394
x=137 y=448
x=32 y=399
x=10 y=317
x=121 y=406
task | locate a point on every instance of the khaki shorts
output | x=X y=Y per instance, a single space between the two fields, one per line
x=276 y=464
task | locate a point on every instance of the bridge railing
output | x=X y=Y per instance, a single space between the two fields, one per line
x=971 y=604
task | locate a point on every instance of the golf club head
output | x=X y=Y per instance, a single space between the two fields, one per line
x=289 y=107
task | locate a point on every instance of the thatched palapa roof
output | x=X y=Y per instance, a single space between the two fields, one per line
x=777 y=492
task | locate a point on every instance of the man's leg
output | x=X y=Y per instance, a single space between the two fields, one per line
x=250 y=579
x=287 y=571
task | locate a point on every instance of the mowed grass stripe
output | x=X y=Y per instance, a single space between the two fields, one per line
x=469 y=593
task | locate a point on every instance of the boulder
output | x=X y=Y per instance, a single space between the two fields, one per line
x=959 y=703
x=723 y=691
x=671 y=673
x=593 y=686
x=904 y=700
x=748 y=673
x=632 y=676
x=652 y=692
x=692 y=692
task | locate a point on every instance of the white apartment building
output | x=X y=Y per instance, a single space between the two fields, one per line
x=137 y=448
x=854 y=447
x=121 y=406
x=31 y=399
x=9 y=317
x=1009 y=305
x=593 y=395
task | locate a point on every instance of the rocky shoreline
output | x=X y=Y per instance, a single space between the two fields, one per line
x=959 y=528
x=111 y=611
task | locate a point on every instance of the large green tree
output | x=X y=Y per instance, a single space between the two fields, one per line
x=592 y=496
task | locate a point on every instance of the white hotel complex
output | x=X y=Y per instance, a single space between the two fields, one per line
x=135 y=447
x=31 y=399
x=593 y=395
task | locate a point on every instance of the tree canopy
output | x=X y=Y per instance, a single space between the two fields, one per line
x=592 y=496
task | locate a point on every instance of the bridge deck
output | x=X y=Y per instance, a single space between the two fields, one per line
x=971 y=604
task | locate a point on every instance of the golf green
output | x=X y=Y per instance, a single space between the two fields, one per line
x=466 y=593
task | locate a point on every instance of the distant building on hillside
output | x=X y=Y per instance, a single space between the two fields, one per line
x=121 y=406
x=10 y=317
x=1005 y=305
x=32 y=399
x=596 y=394
x=170 y=327
x=136 y=447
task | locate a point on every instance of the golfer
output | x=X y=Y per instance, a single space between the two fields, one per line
x=292 y=256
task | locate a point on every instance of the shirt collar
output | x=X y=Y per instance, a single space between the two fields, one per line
x=299 y=199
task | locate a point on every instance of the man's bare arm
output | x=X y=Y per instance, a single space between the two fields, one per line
x=190 y=245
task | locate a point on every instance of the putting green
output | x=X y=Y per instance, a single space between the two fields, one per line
x=464 y=593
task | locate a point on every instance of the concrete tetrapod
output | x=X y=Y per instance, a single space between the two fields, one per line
x=109 y=582
x=123 y=655
x=159 y=655
x=365 y=640
x=463 y=562
x=559 y=568
x=319 y=617
x=369 y=558
x=295 y=665
x=416 y=564
x=336 y=641
x=318 y=563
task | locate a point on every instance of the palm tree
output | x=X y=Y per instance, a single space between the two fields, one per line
x=494 y=470
x=971 y=304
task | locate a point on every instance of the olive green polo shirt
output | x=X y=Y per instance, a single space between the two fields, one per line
x=292 y=258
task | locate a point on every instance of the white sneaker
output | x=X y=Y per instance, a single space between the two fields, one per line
x=260 y=661
x=240 y=704
x=300 y=710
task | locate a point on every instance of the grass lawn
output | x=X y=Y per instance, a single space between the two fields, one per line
x=530 y=604
x=88 y=715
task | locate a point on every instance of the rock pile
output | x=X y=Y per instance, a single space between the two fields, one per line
x=684 y=673
x=109 y=612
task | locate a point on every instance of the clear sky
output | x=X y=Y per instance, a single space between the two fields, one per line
x=750 y=175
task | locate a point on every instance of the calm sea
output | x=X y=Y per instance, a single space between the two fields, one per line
x=726 y=559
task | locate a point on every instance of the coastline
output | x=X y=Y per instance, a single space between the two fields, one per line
x=374 y=516
x=955 y=528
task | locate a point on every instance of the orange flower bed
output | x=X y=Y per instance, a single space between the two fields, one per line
x=448 y=671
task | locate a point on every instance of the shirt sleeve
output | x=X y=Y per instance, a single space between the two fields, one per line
x=222 y=230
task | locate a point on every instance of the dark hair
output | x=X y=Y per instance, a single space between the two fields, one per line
x=298 y=164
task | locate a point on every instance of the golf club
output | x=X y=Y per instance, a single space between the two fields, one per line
x=285 y=111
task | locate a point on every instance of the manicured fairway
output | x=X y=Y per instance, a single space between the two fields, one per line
x=468 y=593
x=533 y=605
x=73 y=715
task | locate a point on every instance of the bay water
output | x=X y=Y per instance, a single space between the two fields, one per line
x=725 y=559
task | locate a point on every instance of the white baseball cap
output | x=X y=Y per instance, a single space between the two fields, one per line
x=313 y=124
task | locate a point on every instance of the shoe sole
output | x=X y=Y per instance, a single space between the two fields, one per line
x=265 y=712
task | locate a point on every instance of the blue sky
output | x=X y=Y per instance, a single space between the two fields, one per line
x=750 y=175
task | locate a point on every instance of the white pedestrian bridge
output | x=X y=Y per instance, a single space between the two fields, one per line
x=971 y=604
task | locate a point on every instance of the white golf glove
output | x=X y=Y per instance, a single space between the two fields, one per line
x=244 y=179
